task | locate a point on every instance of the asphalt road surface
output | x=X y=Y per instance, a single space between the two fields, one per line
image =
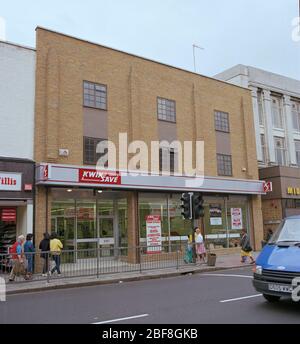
x=222 y=297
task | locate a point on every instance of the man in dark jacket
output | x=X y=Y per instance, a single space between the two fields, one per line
x=246 y=249
x=45 y=248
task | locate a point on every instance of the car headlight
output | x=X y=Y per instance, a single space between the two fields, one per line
x=258 y=270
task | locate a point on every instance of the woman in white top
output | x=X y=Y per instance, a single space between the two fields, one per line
x=200 y=248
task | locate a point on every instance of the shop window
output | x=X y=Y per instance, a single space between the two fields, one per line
x=222 y=121
x=166 y=110
x=224 y=164
x=94 y=95
x=90 y=155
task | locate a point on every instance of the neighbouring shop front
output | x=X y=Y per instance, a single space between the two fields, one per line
x=284 y=200
x=16 y=200
x=115 y=210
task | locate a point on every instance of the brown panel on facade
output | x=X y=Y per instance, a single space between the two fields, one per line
x=223 y=143
x=167 y=131
x=95 y=123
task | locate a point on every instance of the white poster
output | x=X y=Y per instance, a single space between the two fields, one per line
x=153 y=228
x=236 y=218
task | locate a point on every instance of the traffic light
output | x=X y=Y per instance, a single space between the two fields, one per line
x=198 y=208
x=186 y=205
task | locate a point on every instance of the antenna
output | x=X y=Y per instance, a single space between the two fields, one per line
x=198 y=47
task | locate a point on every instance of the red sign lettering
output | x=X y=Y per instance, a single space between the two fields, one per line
x=99 y=177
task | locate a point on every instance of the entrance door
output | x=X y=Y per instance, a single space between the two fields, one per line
x=106 y=236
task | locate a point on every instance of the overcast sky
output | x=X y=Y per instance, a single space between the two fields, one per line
x=251 y=32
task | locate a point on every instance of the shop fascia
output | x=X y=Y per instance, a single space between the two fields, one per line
x=139 y=152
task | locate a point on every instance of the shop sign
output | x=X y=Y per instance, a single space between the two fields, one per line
x=10 y=181
x=215 y=214
x=9 y=215
x=153 y=234
x=28 y=187
x=268 y=187
x=293 y=191
x=94 y=176
x=236 y=219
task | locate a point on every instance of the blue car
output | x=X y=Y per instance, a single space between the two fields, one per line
x=278 y=264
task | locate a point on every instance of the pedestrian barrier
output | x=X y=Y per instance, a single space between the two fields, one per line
x=92 y=262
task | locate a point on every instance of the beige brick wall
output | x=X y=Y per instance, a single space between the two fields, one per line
x=272 y=212
x=133 y=86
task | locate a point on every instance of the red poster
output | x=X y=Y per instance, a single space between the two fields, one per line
x=99 y=177
x=9 y=215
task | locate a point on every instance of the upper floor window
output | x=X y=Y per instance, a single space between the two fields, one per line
x=222 y=121
x=90 y=155
x=94 y=95
x=260 y=108
x=263 y=148
x=166 y=110
x=167 y=160
x=296 y=115
x=224 y=164
x=280 y=151
x=297 y=148
x=277 y=112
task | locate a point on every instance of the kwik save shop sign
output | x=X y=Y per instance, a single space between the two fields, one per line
x=93 y=176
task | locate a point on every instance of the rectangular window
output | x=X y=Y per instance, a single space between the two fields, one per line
x=296 y=115
x=94 y=95
x=224 y=163
x=90 y=156
x=166 y=110
x=222 y=121
x=280 y=151
x=263 y=148
x=277 y=112
x=297 y=148
x=260 y=108
x=167 y=160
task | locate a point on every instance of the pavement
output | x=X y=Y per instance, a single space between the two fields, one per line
x=222 y=297
x=223 y=262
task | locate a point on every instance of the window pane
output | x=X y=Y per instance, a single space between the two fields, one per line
x=94 y=95
x=222 y=121
x=166 y=110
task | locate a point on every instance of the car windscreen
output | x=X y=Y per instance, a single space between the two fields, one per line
x=288 y=231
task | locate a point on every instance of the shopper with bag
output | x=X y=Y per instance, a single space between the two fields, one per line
x=246 y=249
x=17 y=259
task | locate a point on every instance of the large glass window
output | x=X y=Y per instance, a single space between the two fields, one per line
x=280 y=151
x=166 y=110
x=260 y=107
x=277 y=112
x=296 y=115
x=297 y=149
x=224 y=165
x=94 y=95
x=222 y=121
x=263 y=148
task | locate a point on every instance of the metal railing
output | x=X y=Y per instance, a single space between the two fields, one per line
x=47 y=266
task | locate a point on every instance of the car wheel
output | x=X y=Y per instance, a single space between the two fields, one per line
x=271 y=298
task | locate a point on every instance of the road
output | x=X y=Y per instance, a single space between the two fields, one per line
x=224 y=297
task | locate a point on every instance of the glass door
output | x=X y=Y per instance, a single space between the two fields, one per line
x=87 y=236
x=106 y=239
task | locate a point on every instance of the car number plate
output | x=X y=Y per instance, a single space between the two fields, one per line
x=281 y=288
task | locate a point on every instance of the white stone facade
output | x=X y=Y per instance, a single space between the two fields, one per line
x=17 y=93
x=276 y=109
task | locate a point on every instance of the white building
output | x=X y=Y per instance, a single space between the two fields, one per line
x=276 y=107
x=17 y=168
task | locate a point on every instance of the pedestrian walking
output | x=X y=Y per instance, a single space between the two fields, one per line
x=29 y=254
x=200 y=247
x=44 y=246
x=55 y=247
x=246 y=249
x=17 y=259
